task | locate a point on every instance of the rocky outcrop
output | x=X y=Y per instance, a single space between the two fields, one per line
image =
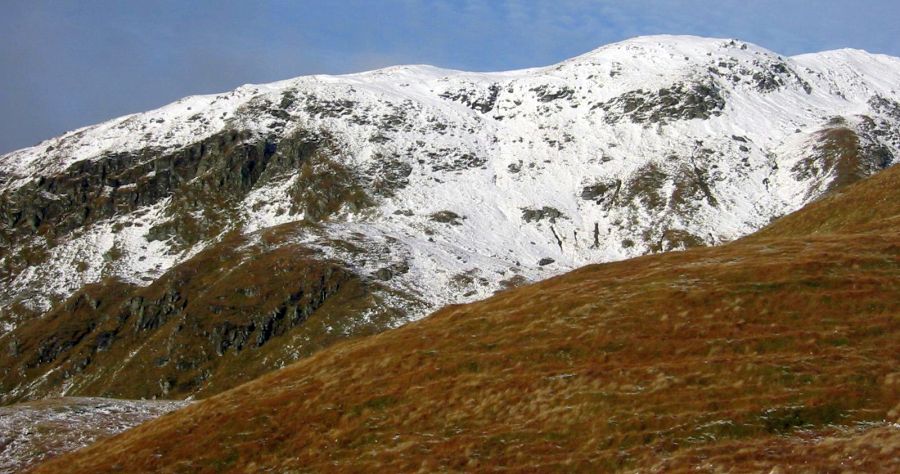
x=92 y=190
x=199 y=187
x=603 y=193
x=545 y=212
x=475 y=97
x=763 y=75
x=698 y=100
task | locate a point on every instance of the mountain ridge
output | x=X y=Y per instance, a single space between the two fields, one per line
x=427 y=188
x=437 y=72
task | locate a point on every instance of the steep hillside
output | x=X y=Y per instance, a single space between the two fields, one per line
x=781 y=348
x=416 y=187
x=232 y=312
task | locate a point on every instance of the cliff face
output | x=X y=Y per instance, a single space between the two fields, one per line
x=155 y=238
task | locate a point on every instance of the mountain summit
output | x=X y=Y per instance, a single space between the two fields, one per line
x=218 y=237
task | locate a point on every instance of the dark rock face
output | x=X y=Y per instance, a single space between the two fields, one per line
x=549 y=94
x=537 y=215
x=389 y=174
x=389 y=272
x=384 y=274
x=885 y=106
x=89 y=191
x=700 y=100
x=482 y=100
x=203 y=182
x=603 y=193
x=203 y=176
x=328 y=108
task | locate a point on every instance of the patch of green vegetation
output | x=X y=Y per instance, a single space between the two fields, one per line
x=379 y=403
x=680 y=239
x=645 y=187
x=114 y=254
x=613 y=346
x=471 y=366
x=773 y=344
x=782 y=420
x=447 y=217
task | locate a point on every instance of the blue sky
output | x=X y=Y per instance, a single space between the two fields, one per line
x=66 y=64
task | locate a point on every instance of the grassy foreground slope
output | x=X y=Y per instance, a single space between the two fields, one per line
x=781 y=348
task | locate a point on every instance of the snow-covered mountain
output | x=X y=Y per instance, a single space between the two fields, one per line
x=441 y=186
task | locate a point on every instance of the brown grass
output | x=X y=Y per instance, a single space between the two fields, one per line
x=782 y=349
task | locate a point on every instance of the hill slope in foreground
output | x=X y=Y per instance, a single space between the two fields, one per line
x=780 y=348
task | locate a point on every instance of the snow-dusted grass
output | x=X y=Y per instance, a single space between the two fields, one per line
x=36 y=431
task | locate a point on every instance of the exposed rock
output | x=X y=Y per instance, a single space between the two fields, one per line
x=384 y=274
x=764 y=75
x=602 y=192
x=546 y=212
x=547 y=93
x=447 y=217
x=482 y=100
x=700 y=100
x=389 y=174
x=457 y=162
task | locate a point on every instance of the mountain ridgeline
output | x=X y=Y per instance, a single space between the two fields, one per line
x=185 y=250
